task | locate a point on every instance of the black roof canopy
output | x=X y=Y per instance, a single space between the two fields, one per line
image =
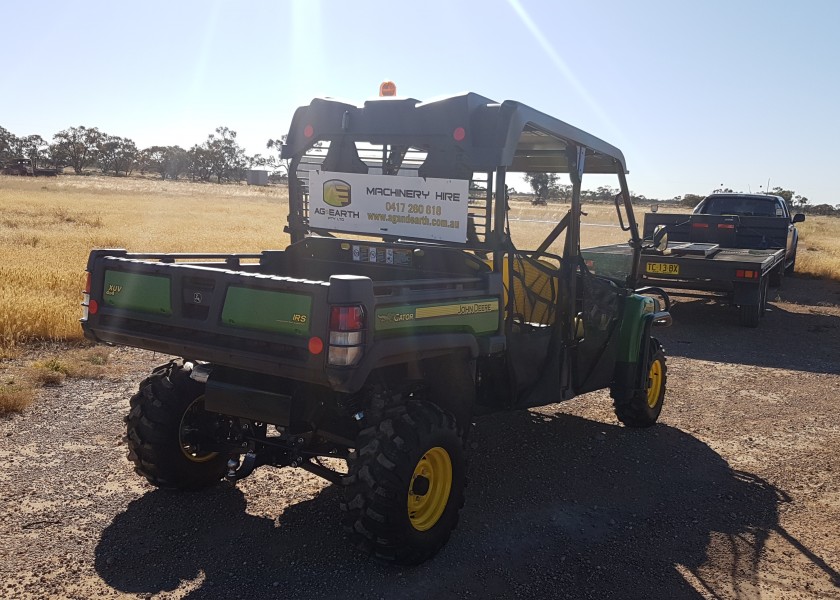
x=463 y=133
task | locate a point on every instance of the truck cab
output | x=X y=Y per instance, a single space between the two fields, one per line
x=757 y=205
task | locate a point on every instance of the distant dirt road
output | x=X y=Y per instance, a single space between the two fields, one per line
x=735 y=494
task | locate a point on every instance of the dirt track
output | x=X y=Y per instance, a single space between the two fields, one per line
x=735 y=494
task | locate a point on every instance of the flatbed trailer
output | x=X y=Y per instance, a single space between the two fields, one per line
x=741 y=274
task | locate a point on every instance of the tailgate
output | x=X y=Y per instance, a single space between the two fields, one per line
x=230 y=317
x=729 y=231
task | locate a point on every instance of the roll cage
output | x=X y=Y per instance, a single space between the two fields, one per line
x=465 y=137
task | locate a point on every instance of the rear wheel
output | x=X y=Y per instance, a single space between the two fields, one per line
x=778 y=275
x=751 y=314
x=405 y=483
x=168 y=431
x=643 y=407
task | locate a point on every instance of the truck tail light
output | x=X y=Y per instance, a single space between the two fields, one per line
x=746 y=274
x=700 y=225
x=89 y=307
x=347 y=336
x=726 y=226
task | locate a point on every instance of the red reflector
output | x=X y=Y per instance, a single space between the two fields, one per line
x=87 y=282
x=700 y=225
x=739 y=273
x=93 y=307
x=347 y=318
x=459 y=134
x=308 y=132
x=726 y=226
x=316 y=345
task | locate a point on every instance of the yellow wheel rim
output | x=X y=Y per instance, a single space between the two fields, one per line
x=654 y=384
x=428 y=490
x=184 y=428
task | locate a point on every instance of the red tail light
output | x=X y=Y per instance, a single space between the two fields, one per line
x=700 y=225
x=347 y=318
x=347 y=325
x=746 y=274
x=726 y=226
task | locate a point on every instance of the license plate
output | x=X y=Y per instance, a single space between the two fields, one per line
x=662 y=268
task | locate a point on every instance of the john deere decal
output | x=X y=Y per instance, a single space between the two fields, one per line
x=337 y=193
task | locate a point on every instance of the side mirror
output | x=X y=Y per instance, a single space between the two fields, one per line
x=798 y=218
x=660 y=238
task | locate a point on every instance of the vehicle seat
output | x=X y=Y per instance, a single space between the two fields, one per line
x=535 y=291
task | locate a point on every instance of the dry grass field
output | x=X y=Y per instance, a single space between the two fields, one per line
x=48 y=227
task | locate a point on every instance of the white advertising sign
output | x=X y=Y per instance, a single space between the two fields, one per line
x=417 y=207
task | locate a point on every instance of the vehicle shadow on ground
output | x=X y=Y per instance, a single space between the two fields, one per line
x=558 y=506
x=806 y=340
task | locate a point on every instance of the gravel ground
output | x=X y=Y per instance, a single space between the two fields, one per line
x=734 y=494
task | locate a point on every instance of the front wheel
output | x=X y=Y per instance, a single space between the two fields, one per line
x=643 y=407
x=792 y=265
x=405 y=483
x=168 y=431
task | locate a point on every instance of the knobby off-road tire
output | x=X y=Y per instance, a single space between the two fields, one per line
x=405 y=483
x=166 y=406
x=643 y=408
x=751 y=314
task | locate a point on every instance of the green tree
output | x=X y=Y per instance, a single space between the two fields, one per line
x=170 y=162
x=226 y=159
x=542 y=184
x=691 y=200
x=786 y=194
x=200 y=166
x=825 y=210
x=279 y=165
x=76 y=147
x=7 y=142
x=33 y=147
x=116 y=154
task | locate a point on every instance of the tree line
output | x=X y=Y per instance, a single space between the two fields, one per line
x=546 y=187
x=219 y=158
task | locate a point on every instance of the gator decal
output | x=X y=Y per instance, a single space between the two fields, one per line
x=267 y=310
x=476 y=316
x=133 y=291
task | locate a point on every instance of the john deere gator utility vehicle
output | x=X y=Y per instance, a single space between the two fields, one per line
x=400 y=310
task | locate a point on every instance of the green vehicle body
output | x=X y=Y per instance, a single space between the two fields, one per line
x=431 y=310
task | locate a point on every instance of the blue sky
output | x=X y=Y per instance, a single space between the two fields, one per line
x=695 y=94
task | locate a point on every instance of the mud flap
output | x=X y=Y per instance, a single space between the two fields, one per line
x=746 y=293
